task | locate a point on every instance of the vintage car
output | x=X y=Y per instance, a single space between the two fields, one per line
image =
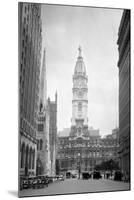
x=68 y=174
x=34 y=183
x=40 y=181
x=30 y=181
x=24 y=183
x=61 y=178
x=118 y=175
x=96 y=175
x=74 y=175
x=86 y=175
x=50 y=179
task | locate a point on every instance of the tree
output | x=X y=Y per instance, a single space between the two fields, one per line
x=109 y=165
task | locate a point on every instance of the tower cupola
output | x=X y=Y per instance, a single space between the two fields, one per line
x=80 y=68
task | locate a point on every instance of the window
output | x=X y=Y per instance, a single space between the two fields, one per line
x=30 y=158
x=37 y=144
x=28 y=16
x=24 y=20
x=21 y=66
x=22 y=155
x=23 y=42
x=40 y=127
x=24 y=31
x=22 y=55
x=20 y=79
x=79 y=130
x=80 y=106
x=41 y=144
x=33 y=158
x=25 y=50
x=24 y=61
x=25 y=9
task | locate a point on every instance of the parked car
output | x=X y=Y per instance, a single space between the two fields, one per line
x=24 y=183
x=61 y=177
x=35 y=183
x=74 y=175
x=96 y=175
x=68 y=175
x=118 y=176
x=55 y=178
x=30 y=181
x=42 y=181
x=20 y=183
x=86 y=175
x=50 y=179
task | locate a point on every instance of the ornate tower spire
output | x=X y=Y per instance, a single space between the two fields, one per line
x=80 y=90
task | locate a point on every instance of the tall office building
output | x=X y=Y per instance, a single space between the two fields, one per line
x=124 y=93
x=30 y=43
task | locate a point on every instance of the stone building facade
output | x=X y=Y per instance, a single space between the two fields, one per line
x=83 y=148
x=52 y=110
x=30 y=43
x=85 y=152
x=124 y=92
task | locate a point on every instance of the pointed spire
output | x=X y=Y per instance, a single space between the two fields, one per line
x=43 y=83
x=56 y=96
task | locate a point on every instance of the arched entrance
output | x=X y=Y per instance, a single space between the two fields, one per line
x=22 y=155
x=39 y=167
x=26 y=161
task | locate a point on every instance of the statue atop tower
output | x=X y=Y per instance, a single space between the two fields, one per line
x=80 y=99
x=79 y=50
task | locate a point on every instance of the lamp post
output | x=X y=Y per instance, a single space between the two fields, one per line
x=79 y=155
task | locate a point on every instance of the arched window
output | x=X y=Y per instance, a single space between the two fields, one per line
x=26 y=160
x=39 y=167
x=41 y=144
x=22 y=155
x=33 y=159
x=27 y=152
x=37 y=144
x=30 y=158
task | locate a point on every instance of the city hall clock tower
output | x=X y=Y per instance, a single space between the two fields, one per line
x=80 y=100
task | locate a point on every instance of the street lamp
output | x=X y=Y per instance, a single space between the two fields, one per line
x=79 y=155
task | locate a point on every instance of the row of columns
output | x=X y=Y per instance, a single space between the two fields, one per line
x=27 y=156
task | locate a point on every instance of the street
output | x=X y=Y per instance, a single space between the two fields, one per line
x=77 y=186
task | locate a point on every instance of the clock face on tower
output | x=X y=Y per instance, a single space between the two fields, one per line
x=80 y=84
x=80 y=94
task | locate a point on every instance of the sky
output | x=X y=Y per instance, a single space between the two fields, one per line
x=96 y=30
